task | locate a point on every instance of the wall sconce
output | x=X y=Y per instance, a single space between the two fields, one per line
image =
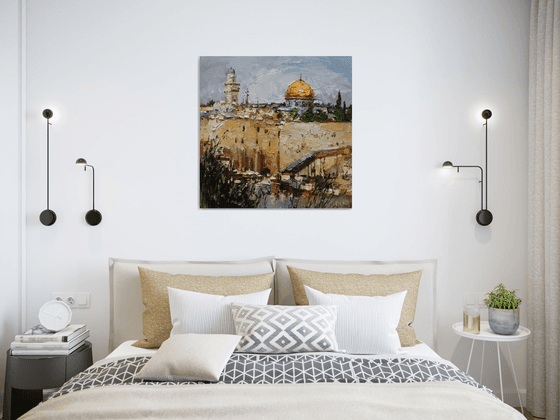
x=93 y=217
x=48 y=217
x=483 y=217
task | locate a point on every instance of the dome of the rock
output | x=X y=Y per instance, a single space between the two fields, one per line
x=300 y=90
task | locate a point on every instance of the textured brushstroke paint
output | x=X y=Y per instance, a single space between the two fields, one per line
x=275 y=132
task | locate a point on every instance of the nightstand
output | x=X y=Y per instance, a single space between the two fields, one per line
x=486 y=334
x=27 y=376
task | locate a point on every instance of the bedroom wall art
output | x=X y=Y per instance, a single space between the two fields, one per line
x=276 y=132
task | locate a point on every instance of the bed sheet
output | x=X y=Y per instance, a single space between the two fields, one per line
x=120 y=369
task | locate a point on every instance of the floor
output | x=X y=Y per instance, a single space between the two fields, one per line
x=527 y=415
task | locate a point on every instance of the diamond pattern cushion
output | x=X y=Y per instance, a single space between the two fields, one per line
x=285 y=329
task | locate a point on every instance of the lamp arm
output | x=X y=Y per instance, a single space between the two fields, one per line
x=93 y=169
x=481 y=181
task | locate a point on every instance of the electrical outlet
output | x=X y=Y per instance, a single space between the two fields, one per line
x=73 y=299
x=474 y=299
x=480 y=299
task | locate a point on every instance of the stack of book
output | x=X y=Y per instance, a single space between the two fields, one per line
x=40 y=341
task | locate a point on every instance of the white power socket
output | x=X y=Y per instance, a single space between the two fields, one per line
x=474 y=299
x=73 y=299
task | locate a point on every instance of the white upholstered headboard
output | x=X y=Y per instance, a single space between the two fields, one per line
x=126 y=293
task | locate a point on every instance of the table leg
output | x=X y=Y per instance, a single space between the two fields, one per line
x=7 y=393
x=515 y=379
x=470 y=355
x=24 y=400
x=482 y=362
x=500 y=369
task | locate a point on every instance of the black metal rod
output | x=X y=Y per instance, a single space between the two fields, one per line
x=48 y=147
x=480 y=182
x=486 y=188
x=93 y=170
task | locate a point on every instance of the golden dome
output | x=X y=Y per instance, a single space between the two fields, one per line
x=299 y=90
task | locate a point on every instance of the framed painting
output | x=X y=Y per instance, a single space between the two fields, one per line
x=276 y=132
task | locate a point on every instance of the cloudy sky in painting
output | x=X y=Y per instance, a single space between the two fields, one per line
x=267 y=78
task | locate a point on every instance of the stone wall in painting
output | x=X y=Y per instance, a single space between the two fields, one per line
x=256 y=145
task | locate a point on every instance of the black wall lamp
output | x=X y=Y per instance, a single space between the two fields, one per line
x=483 y=217
x=93 y=217
x=48 y=217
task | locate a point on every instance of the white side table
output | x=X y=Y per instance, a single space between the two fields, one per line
x=486 y=334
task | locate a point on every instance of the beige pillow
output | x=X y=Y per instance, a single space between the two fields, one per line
x=364 y=285
x=190 y=357
x=156 y=319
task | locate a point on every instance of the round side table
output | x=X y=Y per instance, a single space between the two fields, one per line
x=486 y=334
x=27 y=376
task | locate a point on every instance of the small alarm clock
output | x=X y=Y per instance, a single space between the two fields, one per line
x=55 y=315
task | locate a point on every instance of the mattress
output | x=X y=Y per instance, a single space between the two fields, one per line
x=126 y=349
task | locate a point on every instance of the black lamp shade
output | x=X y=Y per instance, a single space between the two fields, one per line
x=47 y=113
x=484 y=217
x=447 y=164
x=93 y=217
x=486 y=114
x=81 y=161
x=47 y=217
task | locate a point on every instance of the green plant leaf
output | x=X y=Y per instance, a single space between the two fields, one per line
x=501 y=298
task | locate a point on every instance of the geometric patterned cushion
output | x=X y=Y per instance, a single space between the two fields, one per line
x=285 y=329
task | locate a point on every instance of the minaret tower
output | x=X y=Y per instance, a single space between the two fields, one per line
x=231 y=87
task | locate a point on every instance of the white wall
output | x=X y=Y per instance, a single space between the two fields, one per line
x=122 y=79
x=10 y=174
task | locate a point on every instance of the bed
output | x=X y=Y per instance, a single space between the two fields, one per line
x=413 y=382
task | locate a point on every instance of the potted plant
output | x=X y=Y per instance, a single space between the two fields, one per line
x=503 y=310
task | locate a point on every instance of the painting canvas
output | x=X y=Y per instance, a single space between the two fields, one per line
x=276 y=132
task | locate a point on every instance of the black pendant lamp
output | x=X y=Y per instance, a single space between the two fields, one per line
x=483 y=217
x=48 y=217
x=93 y=217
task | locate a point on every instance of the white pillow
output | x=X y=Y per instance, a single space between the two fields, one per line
x=201 y=313
x=190 y=357
x=365 y=324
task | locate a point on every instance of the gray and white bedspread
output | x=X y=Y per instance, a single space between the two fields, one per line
x=286 y=369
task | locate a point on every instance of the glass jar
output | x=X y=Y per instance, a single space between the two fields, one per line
x=471 y=319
